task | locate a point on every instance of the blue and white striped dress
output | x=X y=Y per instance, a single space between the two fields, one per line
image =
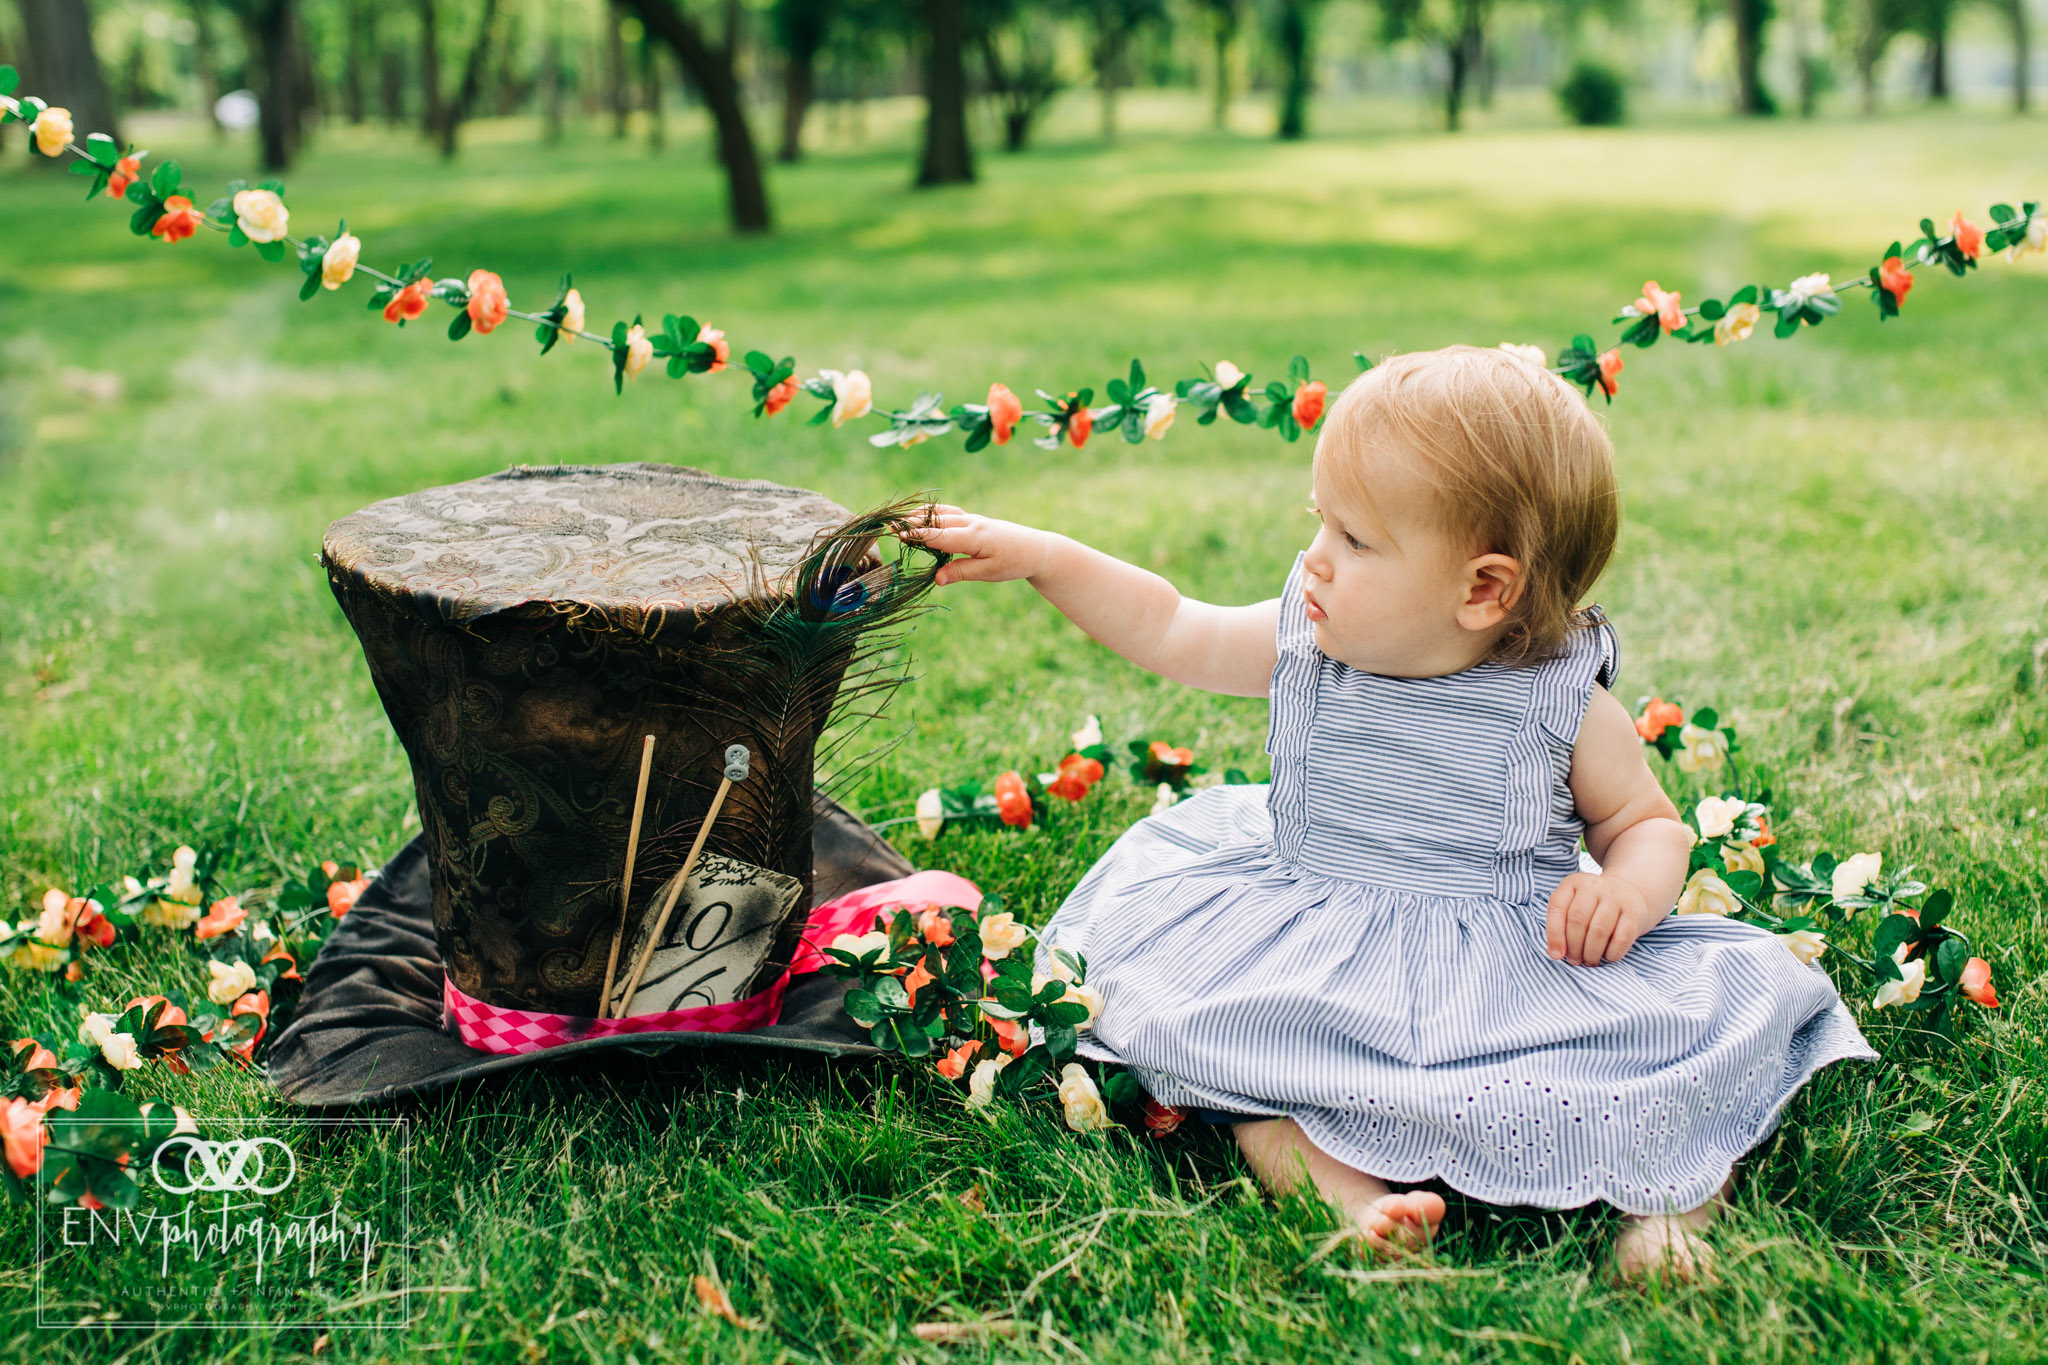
x=1360 y=945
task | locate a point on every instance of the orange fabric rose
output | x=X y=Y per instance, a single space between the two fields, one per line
x=954 y=1064
x=936 y=926
x=172 y=1015
x=1166 y=756
x=94 y=928
x=1895 y=279
x=1005 y=410
x=258 y=1004
x=1658 y=716
x=1080 y=426
x=1764 y=838
x=1011 y=1036
x=342 y=896
x=1969 y=237
x=1308 y=403
x=1013 y=801
x=1661 y=304
x=38 y=1056
x=487 y=302
x=126 y=172
x=778 y=397
x=291 y=964
x=1976 y=983
x=409 y=302
x=1162 y=1119
x=920 y=976
x=21 y=1126
x=721 y=349
x=180 y=220
x=1610 y=366
x=1076 y=775
x=223 y=917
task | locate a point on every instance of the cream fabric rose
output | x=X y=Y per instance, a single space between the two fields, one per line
x=120 y=1052
x=181 y=1117
x=1717 y=815
x=981 y=1086
x=54 y=925
x=1533 y=354
x=852 y=396
x=52 y=131
x=1904 y=991
x=2035 y=243
x=1811 y=286
x=1085 y=995
x=231 y=981
x=1001 y=935
x=1852 y=876
x=339 y=264
x=1707 y=894
x=875 y=941
x=1741 y=858
x=1736 y=324
x=1089 y=735
x=261 y=215
x=931 y=813
x=1086 y=1113
x=1701 y=750
x=1806 y=944
x=1164 y=798
x=163 y=914
x=639 y=350
x=1058 y=969
x=1158 y=414
x=572 y=317
x=1227 y=374
x=95 y=1028
x=181 y=885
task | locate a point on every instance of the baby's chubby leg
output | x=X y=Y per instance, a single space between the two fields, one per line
x=1391 y=1224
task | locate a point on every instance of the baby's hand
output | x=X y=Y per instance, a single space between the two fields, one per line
x=1595 y=919
x=993 y=551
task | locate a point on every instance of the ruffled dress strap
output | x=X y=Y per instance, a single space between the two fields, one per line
x=1539 y=838
x=1289 y=732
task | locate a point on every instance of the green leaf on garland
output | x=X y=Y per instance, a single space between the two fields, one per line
x=1712 y=310
x=1935 y=907
x=1137 y=375
x=1950 y=959
x=270 y=251
x=1297 y=369
x=9 y=79
x=310 y=287
x=1364 y=361
x=863 y=1008
x=458 y=326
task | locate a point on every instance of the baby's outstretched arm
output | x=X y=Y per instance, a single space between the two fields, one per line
x=1133 y=611
x=1632 y=831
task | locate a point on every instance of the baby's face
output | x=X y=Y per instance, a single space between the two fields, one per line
x=1384 y=585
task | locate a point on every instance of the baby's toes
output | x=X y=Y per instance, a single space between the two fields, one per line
x=1396 y=1225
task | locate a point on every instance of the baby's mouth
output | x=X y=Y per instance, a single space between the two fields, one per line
x=1314 y=612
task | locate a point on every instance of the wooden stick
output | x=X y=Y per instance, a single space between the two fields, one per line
x=626 y=888
x=675 y=890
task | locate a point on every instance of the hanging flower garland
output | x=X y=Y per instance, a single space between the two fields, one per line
x=1136 y=410
x=106 y=1136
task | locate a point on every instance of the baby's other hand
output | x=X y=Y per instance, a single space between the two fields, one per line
x=991 y=551
x=1594 y=919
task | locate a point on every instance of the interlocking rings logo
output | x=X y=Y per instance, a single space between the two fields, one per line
x=225 y=1166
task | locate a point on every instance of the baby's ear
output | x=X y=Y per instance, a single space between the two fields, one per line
x=1493 y=584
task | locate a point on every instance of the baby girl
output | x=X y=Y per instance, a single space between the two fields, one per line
x=1387 y=966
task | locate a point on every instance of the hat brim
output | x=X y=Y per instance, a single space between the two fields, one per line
x=369 y=1025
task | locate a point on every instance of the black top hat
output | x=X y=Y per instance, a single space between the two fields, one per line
x=527 y=633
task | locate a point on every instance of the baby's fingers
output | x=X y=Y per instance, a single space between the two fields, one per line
x=1600 y=930
x=1553 y=921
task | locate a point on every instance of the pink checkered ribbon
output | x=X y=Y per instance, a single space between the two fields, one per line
x=497 y=1028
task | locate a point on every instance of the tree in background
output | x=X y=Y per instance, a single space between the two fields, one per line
x=1113 y=25
x=1224 y=18
x=1293 y=27
x=1457 y=26
x=470 y=88
x=1932 y=20
x=801 y=28
x=62 y=65
x=278 y=72
x=712 y=72
x=1019 y=63
x=1866 y=28
x=948 y=158
x=2014 y=12
x=1752 y=100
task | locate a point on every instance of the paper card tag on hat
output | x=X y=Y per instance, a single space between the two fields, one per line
x=721 y=931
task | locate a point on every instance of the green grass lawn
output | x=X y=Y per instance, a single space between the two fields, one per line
x=1835 y=540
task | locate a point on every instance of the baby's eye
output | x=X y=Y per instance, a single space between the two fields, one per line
x=1352 y=541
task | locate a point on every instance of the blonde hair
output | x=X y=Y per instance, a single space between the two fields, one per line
x=1517 y=463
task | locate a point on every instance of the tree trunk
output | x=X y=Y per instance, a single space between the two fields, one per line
x=273 y=34
x=551 y=80
x=358 y=41
x=391 y=84
x=63 y=69
x=1295 y=81
x=650 y=93
x=204 y=61
x=799 y=86
x=430 y=69
x=948 y=158
x=1223 y=31
x=1108 y=56
x=1751 y=99
x=711 y=71
x=2016 y=19
x=615 y=70
x=472 y=81
x=1937 y=53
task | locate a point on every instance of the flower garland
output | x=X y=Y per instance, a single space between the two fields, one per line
x=248 y=966
x=1137 y=410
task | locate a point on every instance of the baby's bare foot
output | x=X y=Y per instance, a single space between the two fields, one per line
x=1396 y=1225
x=1668 y=1249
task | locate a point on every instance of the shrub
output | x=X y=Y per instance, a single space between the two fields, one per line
x=1594 y=95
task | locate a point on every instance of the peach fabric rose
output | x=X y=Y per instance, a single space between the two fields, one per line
x=338 y=264
x=39 y=1057
x=721 y=349
x=1895 y=279
x=1011 y=1036
x=261 y=215
x=1662 y=305
x=171 y=1016
x=1610 y=367
x=291 y=964
x=21 y=1128
x=487 y=304
x=852 y=395
x=1005 y=410
x=1077 y=774
x=1969 y=237
x=52 y=131
x=639 y=350
x=1976 y=983
x=936 y=926
x=1736 y=324
x=1013 y=801
x=222 y=917
x=1001 y=935
x=572 y=317
x=180 y=220
x=1158 y=415
x=954 y=1064
x=1658 y=716
x=779 y=397
x=126 y=172
x=1308 y=403
x=409 y=302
